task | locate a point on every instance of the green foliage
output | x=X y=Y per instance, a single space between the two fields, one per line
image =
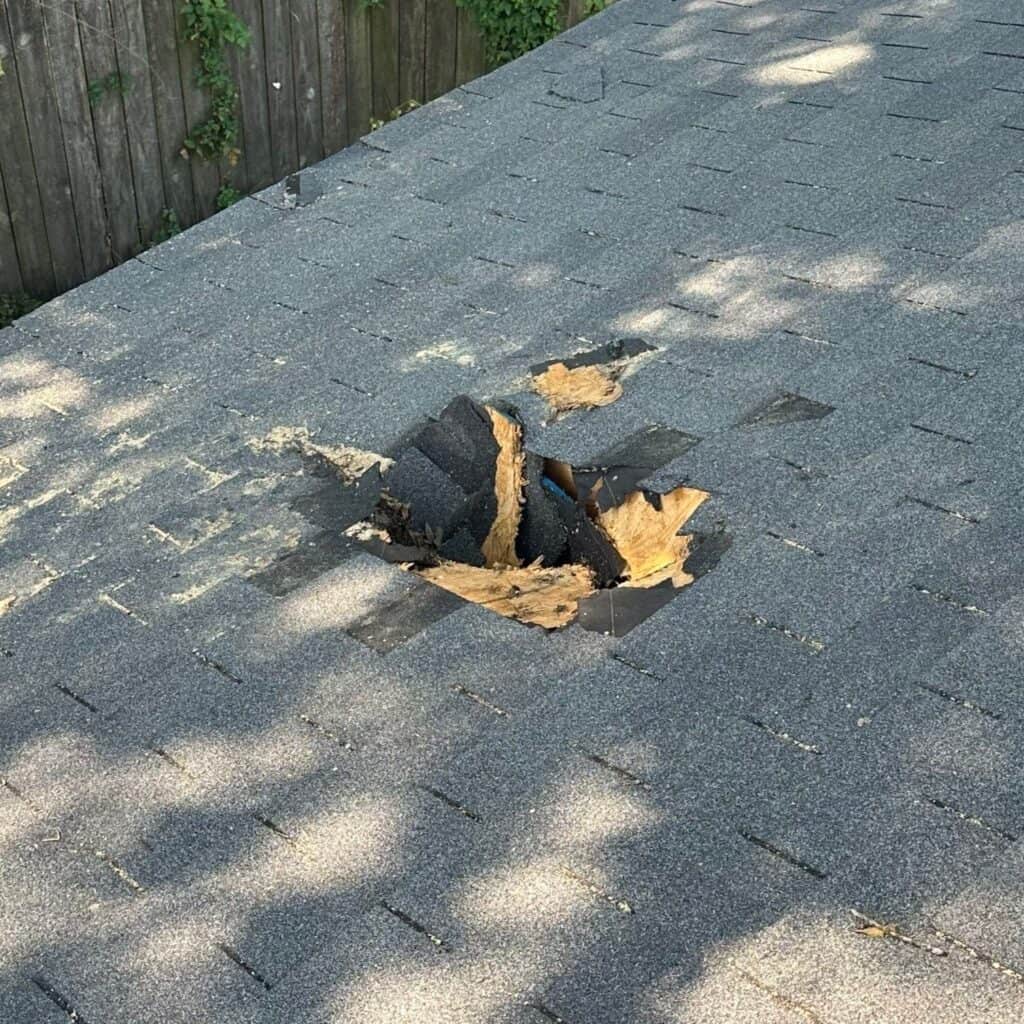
x=170 y=225
x=513 y=27
x=594 y=6
x=14 y=305
x=114 y=83
x=227 y=196
x=393 y=115
x=213 y=26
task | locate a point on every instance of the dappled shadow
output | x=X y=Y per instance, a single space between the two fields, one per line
x=218 y=805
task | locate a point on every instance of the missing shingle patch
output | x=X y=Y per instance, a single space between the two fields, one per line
x=467 y=507
x=586 y=380
x=313 y=557
x=585 y=387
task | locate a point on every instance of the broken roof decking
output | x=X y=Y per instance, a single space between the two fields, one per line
x=334 y=793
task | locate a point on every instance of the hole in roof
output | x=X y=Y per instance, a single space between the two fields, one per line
x=468 y=507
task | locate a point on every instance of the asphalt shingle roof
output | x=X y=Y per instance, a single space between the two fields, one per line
x=249 y=772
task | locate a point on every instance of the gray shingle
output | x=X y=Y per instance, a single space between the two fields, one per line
x=225 y=726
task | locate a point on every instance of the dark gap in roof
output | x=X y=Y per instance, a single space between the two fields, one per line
x=466 y=506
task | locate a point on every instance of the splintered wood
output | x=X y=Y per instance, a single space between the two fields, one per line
x=585 y=387
x=499 y=548
x=581 y=532
x=543 y=597
x=347 y=462
x=646 y=536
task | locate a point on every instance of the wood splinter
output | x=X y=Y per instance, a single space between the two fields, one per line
x=599 y=532
x=584 y=387
x=532 y=593
x=647 y=537
x=499 y=548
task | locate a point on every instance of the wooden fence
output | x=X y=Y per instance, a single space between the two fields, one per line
x=97 y=97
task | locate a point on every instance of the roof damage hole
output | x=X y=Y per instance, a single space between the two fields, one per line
x=467 y=507
x=586 y=380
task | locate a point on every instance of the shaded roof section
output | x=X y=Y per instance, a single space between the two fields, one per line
x=250 y=773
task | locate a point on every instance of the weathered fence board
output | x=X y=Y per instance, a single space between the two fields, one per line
x=110 y=127
x=333 y=80
x=306 y=75
x=98 y=97
x=470 y=54
x=51 y=165
x=140 y=113
x=277 y=41
x=250 y=69
x=442 y=44
x=169 y=107
x=64 y=49
x=10 y=271
x=20 y=180
x=358 y=69
x=412 y=42
x=206 y=176
x=384 y=33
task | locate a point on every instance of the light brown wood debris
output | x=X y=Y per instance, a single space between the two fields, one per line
x=532 y=593
x=349 y=463
x=646 y=537
x=584 y=387
x=499 y=548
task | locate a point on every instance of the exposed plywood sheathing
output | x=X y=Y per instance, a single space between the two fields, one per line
x=646 y=536
x=499 y=548
x=532 y=593
x=584 y=387
x=465 y=505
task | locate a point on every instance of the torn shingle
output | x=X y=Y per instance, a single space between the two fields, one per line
x=461 y=441
x=612 y=352
x=586 y=380
x=543 y=533
x=538 y=536
x=583 y=86
x=427 y=490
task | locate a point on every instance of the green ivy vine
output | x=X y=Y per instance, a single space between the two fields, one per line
x=14 y=305
x=393 y=115
x=213 y=26
x=513 y=27
x=170 y=225
x=115 y=83
x=228 y=196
